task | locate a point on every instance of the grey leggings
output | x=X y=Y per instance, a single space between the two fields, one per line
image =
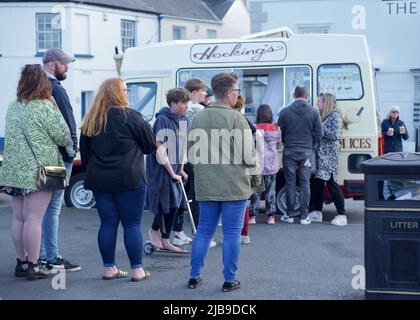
x=28 y=211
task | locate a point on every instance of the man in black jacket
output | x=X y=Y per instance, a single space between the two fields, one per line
x=301 y=130
x=56 y=66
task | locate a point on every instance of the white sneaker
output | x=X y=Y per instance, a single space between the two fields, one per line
x=287 y=219
x=270 y=220
x=252 y=220
x=213 y=243
x=305 y=221
x=180 y=239
x=340 y=220
x=245 y=240
x=315 y=216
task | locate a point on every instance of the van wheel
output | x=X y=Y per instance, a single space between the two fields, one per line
x=281 y=201
x=76 y=195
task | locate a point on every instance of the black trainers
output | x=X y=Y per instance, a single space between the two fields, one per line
x=42 y=273
x=229 y=286
x=21 y=269
x=61 y=263
x=194 y=282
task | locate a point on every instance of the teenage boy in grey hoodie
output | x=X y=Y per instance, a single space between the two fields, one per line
x=301 y=129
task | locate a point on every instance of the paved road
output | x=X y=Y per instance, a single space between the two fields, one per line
x=283 y=262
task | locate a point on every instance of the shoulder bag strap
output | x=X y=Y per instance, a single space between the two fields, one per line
x=24 y=132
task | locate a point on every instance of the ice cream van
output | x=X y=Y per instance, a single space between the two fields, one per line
x=270 y=65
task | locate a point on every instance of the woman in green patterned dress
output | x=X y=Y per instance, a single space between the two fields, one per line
x=34 y=113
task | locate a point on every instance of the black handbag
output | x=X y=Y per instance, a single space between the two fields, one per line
x=49 y=178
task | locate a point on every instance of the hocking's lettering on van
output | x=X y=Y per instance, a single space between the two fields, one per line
x=356 y=143
x=239 y=52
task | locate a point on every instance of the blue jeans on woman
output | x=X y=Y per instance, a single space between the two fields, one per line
x=126 y=207
x=233 y=215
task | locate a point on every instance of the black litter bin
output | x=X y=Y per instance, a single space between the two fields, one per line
x=392 y=226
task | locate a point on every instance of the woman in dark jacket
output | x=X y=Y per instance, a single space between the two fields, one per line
x=113 y=143
x=394 y=130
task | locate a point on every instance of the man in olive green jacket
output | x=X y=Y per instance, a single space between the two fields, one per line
x=221 y=147
x=223 y=173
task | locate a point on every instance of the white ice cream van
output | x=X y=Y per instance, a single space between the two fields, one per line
x=270 y=66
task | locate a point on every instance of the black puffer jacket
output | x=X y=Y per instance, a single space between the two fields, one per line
x=63 y=103
x=393 y=143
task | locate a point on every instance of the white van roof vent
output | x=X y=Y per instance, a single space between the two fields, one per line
x=283 y=32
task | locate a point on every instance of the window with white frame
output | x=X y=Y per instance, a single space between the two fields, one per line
x=313 y=28
x=179 y=33
x=48 y=31
x=128 y=34
x=211 y=34
x=417 y=88
x=416 y=113
x=344 y=81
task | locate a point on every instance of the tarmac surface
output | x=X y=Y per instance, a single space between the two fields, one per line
x=283 y=261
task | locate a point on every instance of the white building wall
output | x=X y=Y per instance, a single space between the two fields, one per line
x=393 y=38
x=237 y=21
x=18 y=46
x=194 y=29
x=396 y=88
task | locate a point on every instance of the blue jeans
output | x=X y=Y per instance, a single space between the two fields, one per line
x=49 y=242
x=292 y=164
x=233 y=215
x=127 y=207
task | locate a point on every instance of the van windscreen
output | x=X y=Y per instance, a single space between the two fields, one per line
x=142 y=97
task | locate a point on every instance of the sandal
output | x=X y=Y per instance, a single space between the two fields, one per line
x=119 y=275
x=154 y=239
x=147 y=276
x=172 y=248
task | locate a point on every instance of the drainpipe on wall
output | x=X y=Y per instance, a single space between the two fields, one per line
x=118 y=57
x=160 y=27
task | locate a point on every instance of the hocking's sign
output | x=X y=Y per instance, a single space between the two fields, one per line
x=270 y=51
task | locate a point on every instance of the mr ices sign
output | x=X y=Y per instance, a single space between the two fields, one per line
x=271 y=51
x=352 y=143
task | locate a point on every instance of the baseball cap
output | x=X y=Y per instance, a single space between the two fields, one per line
x=209 y=92
x=57 y=55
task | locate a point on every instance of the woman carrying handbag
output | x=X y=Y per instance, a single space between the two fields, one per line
x=34 y=130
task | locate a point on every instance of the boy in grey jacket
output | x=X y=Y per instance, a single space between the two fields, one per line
x=301 y=128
